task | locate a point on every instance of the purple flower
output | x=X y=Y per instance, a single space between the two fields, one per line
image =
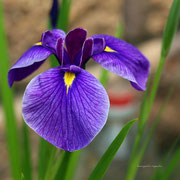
x=66 y=105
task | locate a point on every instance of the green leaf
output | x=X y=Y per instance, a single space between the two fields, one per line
x=144 y=109
x=171 y=27
x=45 y=149
x=42 y=164
x=58 y=163
x=66 y=165
x=26 y=159
x=53 y=61
x=141 y=125
x=72 y=165
x=62 y=169
x=169 y=32
x=171 y=165
x=104 y=77
x=159 y=171
x=154 y=125
x=7 y=101
x=108 y=156
x=63 y=19
x=119 y=31
x=49 y=171
x=138 y=156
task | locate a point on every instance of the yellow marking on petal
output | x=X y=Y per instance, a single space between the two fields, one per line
x=68 y=79
x=39 y=43
x=108 y=49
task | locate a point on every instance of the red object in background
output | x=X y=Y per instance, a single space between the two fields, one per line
x=121 y=99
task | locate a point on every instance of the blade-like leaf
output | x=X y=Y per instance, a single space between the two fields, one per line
x=49 y=171
x=155 y=123
x=104 y=77
x=169 y=32
x=108 y=156
x=139 y=155
x=72 y=165
x=171 y=27
x=159 y=171
x=66 y=165
x=62 y=169
x=26 y=159
x=45 y=149
x=63 y=19
x=7 y=101
x=60 y=157
x=119 y=31
x=141 y=125
x=171 y=165
x=54 y=62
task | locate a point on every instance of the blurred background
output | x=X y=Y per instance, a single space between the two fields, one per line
x=142 y=24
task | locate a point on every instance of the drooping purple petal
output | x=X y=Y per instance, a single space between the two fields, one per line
x=87 y=51
x=74 y=42
x=70 y=120
x=49 y=38
x=28 y=63
x=124 y=60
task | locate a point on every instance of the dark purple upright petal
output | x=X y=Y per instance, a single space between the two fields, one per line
x=49 y=38
x=74 y=42
x=67 y=118
x=87 y=51
x=124 y=60
x=28 y=63
x=54 y=12
x=66 y=60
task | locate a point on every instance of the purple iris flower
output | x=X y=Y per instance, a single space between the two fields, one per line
x=66 y=105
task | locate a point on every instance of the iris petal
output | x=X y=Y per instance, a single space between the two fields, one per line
x=87 y=51
x=70 y=120
x=49 y=38
x=60 y=50
x=74 y=42
x=124 y=60
x=28 y=63
x=98 y=45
